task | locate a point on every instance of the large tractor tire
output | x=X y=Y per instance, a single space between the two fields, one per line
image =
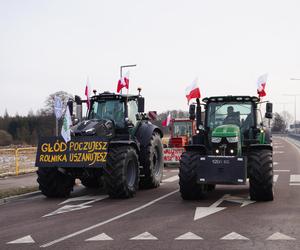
x=121 y=174
x=153 y=163
x=260 y=167
x=189 y=188
x=54 y=183
x=92 y=179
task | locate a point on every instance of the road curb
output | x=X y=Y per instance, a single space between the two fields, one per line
x=16 y=193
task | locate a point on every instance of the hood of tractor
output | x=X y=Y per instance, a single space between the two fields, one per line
x=228 y=130
x=103 y=127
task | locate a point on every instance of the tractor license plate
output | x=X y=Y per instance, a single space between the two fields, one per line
x=85 y=151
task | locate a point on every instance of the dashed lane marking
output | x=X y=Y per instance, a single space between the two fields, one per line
x=26 y=239
x=189 y=236
x=234 y=236
x=108 y=221
x=278 y=152
x=275 y=177
x=295 y=178
x=144 y=236
x=100 y=237
x=281 y=170
x=171 y=179
x=275 y=163
x=280 y=236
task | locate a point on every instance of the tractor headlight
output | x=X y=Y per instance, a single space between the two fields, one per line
x=216 y=139
x=232 y=139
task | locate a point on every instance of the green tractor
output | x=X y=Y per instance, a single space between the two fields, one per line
x=231 y=145
x=116 y=147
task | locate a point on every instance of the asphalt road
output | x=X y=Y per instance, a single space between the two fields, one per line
x=159 y=218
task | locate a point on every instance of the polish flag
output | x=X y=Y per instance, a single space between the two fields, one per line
x=87 y=93
x=261 y=84
x=123 y=82
x=166 y=122
x=192 y=91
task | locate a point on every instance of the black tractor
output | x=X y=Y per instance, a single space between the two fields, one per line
x=116 y=147
x=231 y=145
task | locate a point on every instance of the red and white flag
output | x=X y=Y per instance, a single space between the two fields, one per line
x=87 y=93
x=261 y=85
x=192 y=91
x=166 y=122
x=123 y=82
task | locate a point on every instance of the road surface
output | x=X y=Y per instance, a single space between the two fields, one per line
x=159 y=218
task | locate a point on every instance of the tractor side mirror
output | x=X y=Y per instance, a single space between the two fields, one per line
x=70 y=105
x=78 y=102
x=192 y=112
x=269 y=110
x=141 y=104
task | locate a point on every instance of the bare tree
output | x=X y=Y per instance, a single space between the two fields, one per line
x=49 y=103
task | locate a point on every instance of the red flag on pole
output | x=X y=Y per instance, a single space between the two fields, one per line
x=87 y=94
x=123 y=82
x=192 y=91
x=261 y=85
x=166 y=122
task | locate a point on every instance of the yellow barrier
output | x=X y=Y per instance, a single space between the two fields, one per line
x=16 y=152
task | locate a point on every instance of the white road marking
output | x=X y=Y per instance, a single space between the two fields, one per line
x=275 y=177
x=108 y=221
x=278 y=152
x=189 y=236
x=243 y=201
x=234 y=236
x=281 y=170
x=83 y=198
x=295 y=184
x=278 y=146
x=26 y=239
x=280 y=236
x=171 y=179
x=275 y=163
x=174 y=171
x=70 y=208
x=100 y=237
x=202 y=212
x=144 y=236
x=295 y=178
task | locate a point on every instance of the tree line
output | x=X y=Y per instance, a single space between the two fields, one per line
x=27 y=129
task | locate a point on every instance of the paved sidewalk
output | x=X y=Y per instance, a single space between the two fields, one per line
x=14 y=185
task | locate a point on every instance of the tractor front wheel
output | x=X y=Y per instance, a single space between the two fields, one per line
x=121 y=174
x=260 y=165
x=54 y=183
x=189 y=188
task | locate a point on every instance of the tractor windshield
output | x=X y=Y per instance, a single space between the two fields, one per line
x=109 y=109
x=182 y=129
x=237 y=113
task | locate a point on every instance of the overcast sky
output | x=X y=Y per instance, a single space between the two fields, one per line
x=47 y=46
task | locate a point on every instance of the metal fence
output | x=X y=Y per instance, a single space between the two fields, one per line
x=15 y=161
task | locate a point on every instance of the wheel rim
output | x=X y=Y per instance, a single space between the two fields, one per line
x=156 y=161
x=131 y=173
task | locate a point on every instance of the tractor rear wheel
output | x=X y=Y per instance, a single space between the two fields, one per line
x=153 y=163
x=189 y=188
x=260 y=165
x=121 y=174
x=54 y=183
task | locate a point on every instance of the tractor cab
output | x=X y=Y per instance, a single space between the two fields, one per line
x=181 y=131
